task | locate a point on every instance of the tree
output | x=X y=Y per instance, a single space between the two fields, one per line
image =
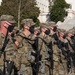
x=28 y=9
x=58 y=12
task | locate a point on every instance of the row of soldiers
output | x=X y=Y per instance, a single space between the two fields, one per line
x=45 y=50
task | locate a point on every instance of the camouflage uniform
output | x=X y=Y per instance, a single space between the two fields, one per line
x=24 y=51
x=10 y=47
x=50 y=54
x=55 y=57
x=11 y=52
x=1 y=56
x=72 y=52
x=63 y=63
x=43 y=49
x=43 y=70
x=54 y=48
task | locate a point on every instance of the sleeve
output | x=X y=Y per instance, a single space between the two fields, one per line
x=40 y=43
x=18 y=40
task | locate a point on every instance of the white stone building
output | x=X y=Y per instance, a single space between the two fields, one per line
x=44 y=10
x=72 y=2
x=71 y=10
x=69 y=21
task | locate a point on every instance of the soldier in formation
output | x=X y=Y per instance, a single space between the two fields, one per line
x=7 y=47
x=43 y=50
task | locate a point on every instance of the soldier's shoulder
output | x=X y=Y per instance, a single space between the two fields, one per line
x=20 y=34
x=40 y=35
x=49 y=38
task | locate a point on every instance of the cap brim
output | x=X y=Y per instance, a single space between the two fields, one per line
x=12 y=21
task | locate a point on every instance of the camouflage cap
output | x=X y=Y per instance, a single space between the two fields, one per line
x=27 y=22
x=44 y=25
x=8 y=18
x=61 y=30
x=70 y=32
x=52 y=24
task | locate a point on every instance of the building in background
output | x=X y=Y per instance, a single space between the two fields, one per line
x=69 y=22
x=72 y=2
x=71 y=10
x=44 y=10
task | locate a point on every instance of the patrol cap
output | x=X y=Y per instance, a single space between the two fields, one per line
x=27 y=22
x=61 y=30
x=70 y=32
x=8 y=18
x=52 y=24
x=43 y=25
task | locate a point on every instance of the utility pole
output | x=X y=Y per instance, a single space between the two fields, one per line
x=19 y=13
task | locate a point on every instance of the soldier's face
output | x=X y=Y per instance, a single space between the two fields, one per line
x=26 y=27
x=70 y=35
x=44 y=29
x=7 y=24
x=35 y=32
x=62 y=34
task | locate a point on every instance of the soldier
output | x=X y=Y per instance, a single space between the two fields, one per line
x=7 y=47
x=54 y=38
x=49 y=32
x=62 y=55
x=23 y=43
x=71 y=48
x=42 y=51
